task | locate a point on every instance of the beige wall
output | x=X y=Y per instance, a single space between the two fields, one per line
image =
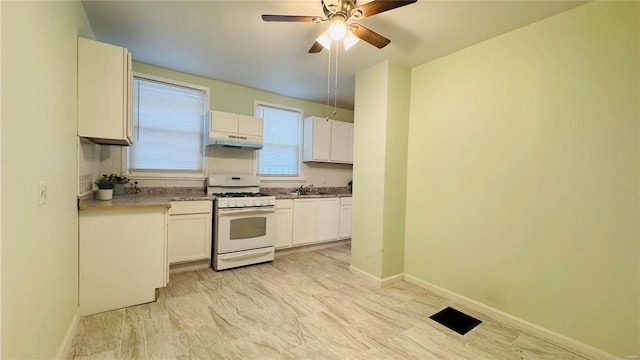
x=523 y=174
x=240 y=99
x=39 y=243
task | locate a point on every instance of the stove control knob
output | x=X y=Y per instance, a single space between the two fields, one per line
x=265 y=202
x=241 y=204
x=232 y=203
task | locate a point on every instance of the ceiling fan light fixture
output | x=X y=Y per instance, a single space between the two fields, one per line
x=349 y=40
x=337 y=29
x=325 y=40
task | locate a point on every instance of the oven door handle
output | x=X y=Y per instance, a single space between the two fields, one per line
x=246 y=211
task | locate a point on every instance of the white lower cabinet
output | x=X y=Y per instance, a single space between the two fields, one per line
x=328 y=221
x=345 y=218
x=315 y=220
x=284 y=223
x=304 y=221
x=122 y=257
x=189 y=231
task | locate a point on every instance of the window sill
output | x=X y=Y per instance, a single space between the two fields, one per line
x=282 y=179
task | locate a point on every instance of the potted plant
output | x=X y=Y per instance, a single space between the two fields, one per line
x=105 y=187
x=120 y=180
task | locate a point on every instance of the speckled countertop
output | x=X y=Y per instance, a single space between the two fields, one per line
x=316 y=192
x=150 y=197
x=161 y=197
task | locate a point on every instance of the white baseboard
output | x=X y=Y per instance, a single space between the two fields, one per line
x=190 y=266
x=364 y=274
x=559 y=339
x=381 y=282
x=65 y=346
x=391 y=280
x=311 y=247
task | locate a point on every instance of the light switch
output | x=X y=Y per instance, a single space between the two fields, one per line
x=42 y=193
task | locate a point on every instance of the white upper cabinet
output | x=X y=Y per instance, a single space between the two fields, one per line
x=342 y=142
x=249 y=125
x=224 y=122
x=328 y=141
x=104 y=93
x=234 y=130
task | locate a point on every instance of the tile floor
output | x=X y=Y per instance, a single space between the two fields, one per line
x=304 y=305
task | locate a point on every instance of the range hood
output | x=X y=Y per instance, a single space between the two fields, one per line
x=234 y=130
x=238 y=141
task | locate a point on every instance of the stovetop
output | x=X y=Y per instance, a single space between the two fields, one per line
x=238 y=194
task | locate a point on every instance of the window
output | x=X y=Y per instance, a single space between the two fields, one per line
x=280 y=155
x=168 y=123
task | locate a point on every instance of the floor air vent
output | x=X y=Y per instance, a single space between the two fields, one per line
x=455 y=320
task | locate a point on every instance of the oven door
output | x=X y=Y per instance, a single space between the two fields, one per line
x=244 y=229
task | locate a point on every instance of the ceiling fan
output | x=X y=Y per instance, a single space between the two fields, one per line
x=339 y=12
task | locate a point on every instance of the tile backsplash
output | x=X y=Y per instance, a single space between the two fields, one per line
x=95 y=160
x=88 y=165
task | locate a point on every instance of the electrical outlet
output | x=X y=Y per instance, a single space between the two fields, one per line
x=42 y=193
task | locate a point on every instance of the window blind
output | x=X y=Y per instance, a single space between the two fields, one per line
x=281 y=152
x=168 y=125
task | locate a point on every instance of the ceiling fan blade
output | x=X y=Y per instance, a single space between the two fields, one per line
x=369 y=36
x=378 y=6
x=290 y=18
x=316 y=48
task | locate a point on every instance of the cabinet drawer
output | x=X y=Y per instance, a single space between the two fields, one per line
x=284 y=204
x=345 y=200
x=190 y=207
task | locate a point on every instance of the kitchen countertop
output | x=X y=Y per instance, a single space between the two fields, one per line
x=309 y=196
x=139 y=201
x=161 y=197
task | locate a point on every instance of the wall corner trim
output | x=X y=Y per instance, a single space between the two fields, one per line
x=496 y=314
x=65 y=346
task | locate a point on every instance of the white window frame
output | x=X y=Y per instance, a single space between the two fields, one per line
x=267 y=178
x=168 y=174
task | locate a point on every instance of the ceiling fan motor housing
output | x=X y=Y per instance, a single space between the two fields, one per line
x=342 y=8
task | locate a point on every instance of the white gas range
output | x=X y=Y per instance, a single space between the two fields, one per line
x=243 y=221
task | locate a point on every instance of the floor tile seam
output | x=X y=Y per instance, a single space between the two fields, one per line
x=124 y=320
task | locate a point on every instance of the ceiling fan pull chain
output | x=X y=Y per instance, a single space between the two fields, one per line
x=328 y=83
x=335 y=87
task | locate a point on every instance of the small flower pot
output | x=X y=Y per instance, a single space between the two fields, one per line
x=105 y=194
x=118 y=189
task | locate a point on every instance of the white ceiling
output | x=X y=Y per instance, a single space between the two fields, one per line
x=228 y=41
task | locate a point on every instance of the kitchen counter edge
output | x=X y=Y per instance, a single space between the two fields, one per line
x=309 y=196
x=137 y=201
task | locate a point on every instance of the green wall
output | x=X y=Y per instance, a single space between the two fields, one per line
x=369 y=147
x=523 y=174
x=379 y=170
x=398 y=94
x=239 y=99
x=39 y=143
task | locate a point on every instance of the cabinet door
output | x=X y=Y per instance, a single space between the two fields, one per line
x=129 y=99
x=328 y=223
x=304 y=221
x=248 y=125
x=283 y=228
x=224 y=122
x=321 y=139
x=345 y=221
x=341 y=141
x=189 y=237
x=103 y=99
